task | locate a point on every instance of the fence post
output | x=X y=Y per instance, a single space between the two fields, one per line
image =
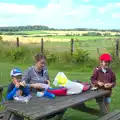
x=42 y=48
x=117 y=48
x=72 y=46
x=18 y=44
x=98 y=51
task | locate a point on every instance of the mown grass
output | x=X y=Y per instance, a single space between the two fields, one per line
x=72 y=74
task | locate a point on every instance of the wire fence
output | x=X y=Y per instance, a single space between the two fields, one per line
x=94 y=47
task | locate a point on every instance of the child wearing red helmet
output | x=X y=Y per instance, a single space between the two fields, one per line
x=103 y=77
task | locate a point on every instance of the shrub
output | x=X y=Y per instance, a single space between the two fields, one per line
x=51 y=57
x=80 y=56
x=115 y=60
x=17 y=53
x=1 y=38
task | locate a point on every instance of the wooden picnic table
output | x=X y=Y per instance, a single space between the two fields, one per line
x=39 y=108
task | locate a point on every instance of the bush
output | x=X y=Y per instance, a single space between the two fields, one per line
x=1 y=38
x=115 y=60
x=16 y=54
x=51 y=57
x=80 y=56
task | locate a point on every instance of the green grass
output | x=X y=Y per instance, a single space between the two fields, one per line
x=89 y=45
x=82 y=37
x=62 y=37
x=31 y=32
x=73 y=74
x=34 y=32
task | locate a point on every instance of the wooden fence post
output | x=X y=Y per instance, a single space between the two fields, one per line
x=18 y=44
x=98 y=52
x=42 y=47
x=72 y=46
x=117 y=48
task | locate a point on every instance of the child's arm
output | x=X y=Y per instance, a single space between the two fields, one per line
x=94 y=77
x=112 y=83
x=11 y=94
x=26 y=91
x=113 y=80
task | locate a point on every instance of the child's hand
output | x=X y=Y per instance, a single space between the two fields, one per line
x=108 y=85
x=48 y=82
x=36 y=86
x=23 y=84
x=17 y=85
x=101 y=84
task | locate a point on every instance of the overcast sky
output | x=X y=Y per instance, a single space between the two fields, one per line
x=61 y=13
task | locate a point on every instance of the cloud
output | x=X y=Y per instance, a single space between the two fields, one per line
x=99 y=22
x=16 y=9
x=101 y=10
x=86 y=0
x=109 y=7
x=118 y=4
x=116 y=15
x=58 y=14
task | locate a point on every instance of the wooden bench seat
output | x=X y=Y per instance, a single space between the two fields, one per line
x=115 y=115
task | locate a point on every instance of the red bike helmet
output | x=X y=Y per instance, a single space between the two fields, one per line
x=106 y=57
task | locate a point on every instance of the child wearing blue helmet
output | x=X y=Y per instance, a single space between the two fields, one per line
x=15 y=88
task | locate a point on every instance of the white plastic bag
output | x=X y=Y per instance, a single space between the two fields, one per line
x=72 y=87
x=60 y=79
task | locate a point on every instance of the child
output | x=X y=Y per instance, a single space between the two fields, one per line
x=15 y=88
x=103 y=77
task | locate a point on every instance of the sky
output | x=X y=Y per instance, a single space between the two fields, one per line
x=100 y=14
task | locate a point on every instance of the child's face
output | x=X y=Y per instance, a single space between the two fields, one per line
x=16 y=79
x=105 y=64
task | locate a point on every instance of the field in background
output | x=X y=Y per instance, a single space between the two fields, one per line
x=42 y=32
x=30 y=39
x=54 y=36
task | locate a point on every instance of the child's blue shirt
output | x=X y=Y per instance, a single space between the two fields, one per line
x=12 y=91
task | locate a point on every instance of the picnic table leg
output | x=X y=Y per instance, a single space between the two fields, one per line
x=101 y=103
x=7 y=115
x=82 y=107
x=60 y=115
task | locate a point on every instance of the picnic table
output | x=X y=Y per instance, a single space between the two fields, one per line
x=39 y=108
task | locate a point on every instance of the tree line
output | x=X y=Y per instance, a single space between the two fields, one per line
x=41 y=27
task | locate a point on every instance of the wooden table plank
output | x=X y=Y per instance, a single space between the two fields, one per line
x=41 y=107
x=75 y=100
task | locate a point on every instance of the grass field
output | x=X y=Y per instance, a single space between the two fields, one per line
x=59 y=32
x=72 y=74
x=33 y=39
x=54 y=36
